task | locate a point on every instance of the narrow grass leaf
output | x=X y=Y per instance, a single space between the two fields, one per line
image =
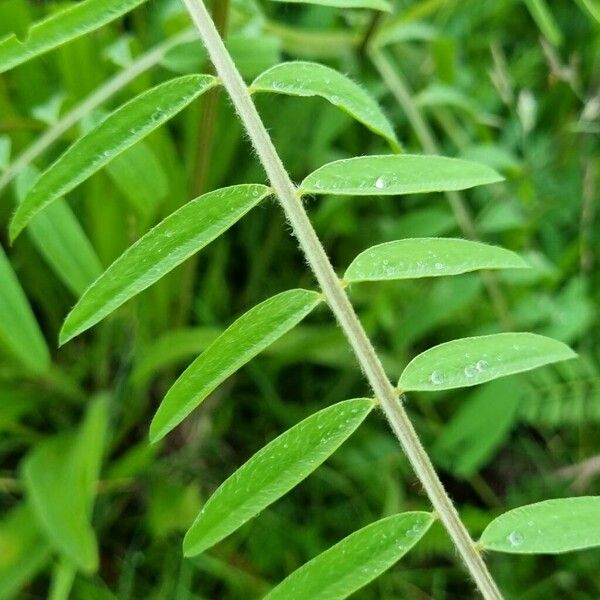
x=548 y=527
x=63 y=26
x=391 y=175
x=429 y=257
x=274 y=471
x=355 y=561
x=60 y=475
x=159 y=251
x=59 y=238
x=239 y=343
x=372 y=4
x=120 y=130
x=19 y=331
x=474 y=360
x=312 y=79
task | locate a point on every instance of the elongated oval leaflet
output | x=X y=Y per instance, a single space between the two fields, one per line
x=474 y=360
x=159 y=251
x=548 y=527
x=239 y=343
x=274 y=471
x=68 y=24
x=355 y=561
x=19 y=331
x=120 y=130
x=428 y=257
x=392 y=175
x=302 y=78
x=372 y=4
x=60 y=239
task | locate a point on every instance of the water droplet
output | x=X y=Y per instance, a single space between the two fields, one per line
x=439 y=265
x=437 y=378
x=470 y=371
x=380 y=183
x=515 y=539
x=481 y=365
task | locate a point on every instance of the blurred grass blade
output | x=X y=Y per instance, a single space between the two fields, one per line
x=355 y=561
x=19 y=331
x=545 y=21
x=274 y=471
x=60 y=239
x=120 y=130
x=23 y=549
x=548 y=527
x=372 y=4
x=60 y=475
x=393 y=175
x=591 y=7
x=159 y=251
x=470 y=361
x=239 y=343
x=68 y=24
x=429 y=257
x=312 y=79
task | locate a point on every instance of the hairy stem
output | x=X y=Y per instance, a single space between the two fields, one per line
x=338 y=300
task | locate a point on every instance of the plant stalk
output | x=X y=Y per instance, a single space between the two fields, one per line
x=338 y=301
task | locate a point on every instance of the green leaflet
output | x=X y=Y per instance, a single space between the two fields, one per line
x=239 y=343
x=120 y=130
x=429 y=257
x=73 y=22
x=60 y=475
x=159 y=251
x=474 y=360
x=355 y=561
x=19 y=331
x=60 y=239
x=548 y=527
x=23 y=550
x=274 y=471
x=392 y=175
x=373 y=4
x=312 y=79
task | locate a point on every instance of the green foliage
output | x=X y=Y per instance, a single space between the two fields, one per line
x=395 y=175
x=311 y=79
x=240 y=342
x=475 y=360
x=548 y=527
x=115 y=134
x=428 y=257
x=61 y=27
x=164 y=247
x=508 y=88
x=273 y=471
x=356 y=560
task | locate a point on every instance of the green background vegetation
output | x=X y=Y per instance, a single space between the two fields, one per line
x=501 y=83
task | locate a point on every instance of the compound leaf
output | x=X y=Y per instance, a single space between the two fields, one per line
x=356 y=560
x=548 y=527
x=428 y=257
x=302 y=78
x=239 y=343
x=391 y=175
x=63 y=26
x=470 y=361
x=159 y=251
x=274 y=471
x=120 y=130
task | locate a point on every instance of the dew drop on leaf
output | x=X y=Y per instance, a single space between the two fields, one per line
x=437 y=378
x=380 y=183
